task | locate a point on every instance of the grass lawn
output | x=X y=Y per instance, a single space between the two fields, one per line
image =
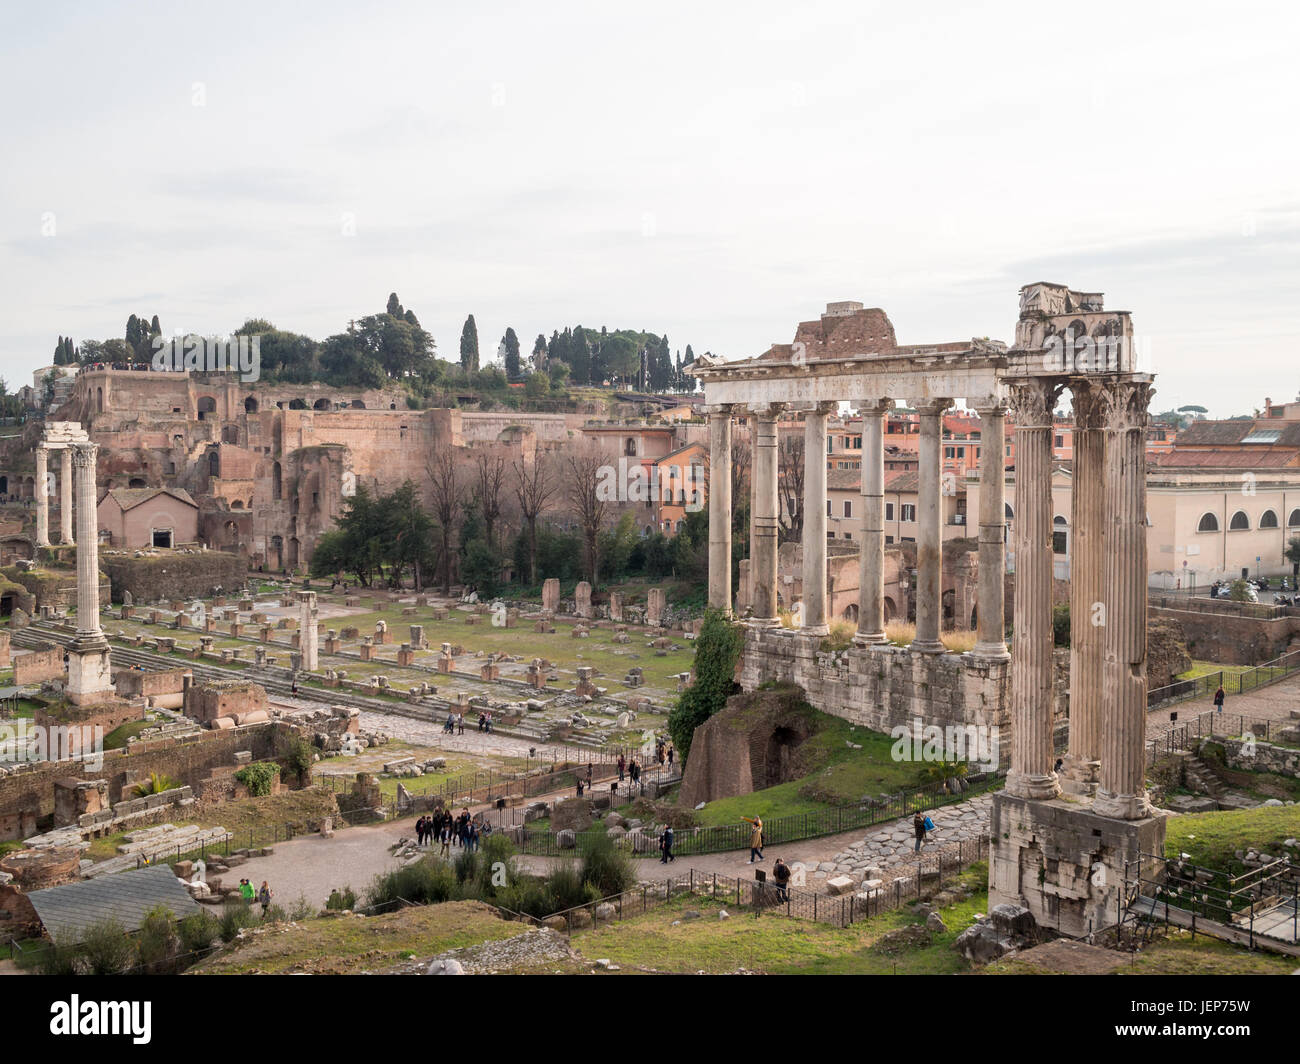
x=1211 y=838
x=347 y=945
x=1205 y=668
x=839 y=776
x=118 y=737
x=777 y=944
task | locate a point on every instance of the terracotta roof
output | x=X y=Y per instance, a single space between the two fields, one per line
x=903 y=481
x=844 y=479
x=1264 y=458
x=128 y=498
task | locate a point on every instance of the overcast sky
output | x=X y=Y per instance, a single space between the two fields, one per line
x=716 y=171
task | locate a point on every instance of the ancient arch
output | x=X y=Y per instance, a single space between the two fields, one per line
x=206 y=405
x=357 y=404
x=321 y=404
x=297 y=404
x=250 y=405
x=1209 y=522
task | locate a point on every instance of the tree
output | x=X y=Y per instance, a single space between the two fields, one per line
x=394 y=307
x=790 y=471
x=445 y=494
x=539 y=352
x=1292 y=554
x=469 y=346
x=717 y=649
x=589 y=506
x=489 y=478
x=534 y=486
x=511 y=343
x=580 y=357
x=410 y=534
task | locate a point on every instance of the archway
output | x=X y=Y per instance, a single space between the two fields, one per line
x=207 y=405
x=250 y=405
x=891 y=609
x=357 y=404
x=297 y=404
x=321 y=404
x=851 y=612
x=276 y=481
x=136 y=482
x=277 y=553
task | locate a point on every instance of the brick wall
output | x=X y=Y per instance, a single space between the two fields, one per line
x=1232 y=640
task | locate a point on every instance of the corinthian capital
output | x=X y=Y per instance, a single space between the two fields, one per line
x=1033 y=402
x=1126 y=404
x=83 y=456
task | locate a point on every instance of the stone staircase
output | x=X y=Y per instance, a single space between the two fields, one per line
x=1200 y=778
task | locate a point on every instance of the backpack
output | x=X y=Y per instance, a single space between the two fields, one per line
x=929 y=824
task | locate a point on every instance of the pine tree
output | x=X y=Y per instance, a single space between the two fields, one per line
x=155 y=327
x=511 y=342
x=469 y=346
x=539 y=352
x=394 y=307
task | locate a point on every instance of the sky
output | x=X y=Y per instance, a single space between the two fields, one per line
x=717 y=171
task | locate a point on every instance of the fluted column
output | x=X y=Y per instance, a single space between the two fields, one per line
x=88 y=630
x=65 y=498
x=814 y=519
x=1087 y=569
x=1031 y=774
x=929 y=531
x=871 y=569
x=765 y=516
x=42 y=498
x=1122 y=792
x=720 y=508
x=990 y=622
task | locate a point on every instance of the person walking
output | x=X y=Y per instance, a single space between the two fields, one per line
x=781 y=873
x=670 y=756
x=264 y=896
x=666 y=845
x=1218 y=699
x=918 y=829
x=246 y=891
x=622 y=767
x=755 y=838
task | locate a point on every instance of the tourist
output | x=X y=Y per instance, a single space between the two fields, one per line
x=264 y=896
x=1218 y=699
x=918 y=829
x=622 y=767
x=1060 y=762
x=781 y=873
x=634 y=771
x=666 y=845
x=460 y=723
x=246 y=890
x=755 y=837
x=670 y=756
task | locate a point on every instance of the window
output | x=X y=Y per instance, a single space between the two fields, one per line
x=1006 y=506
x=828 y=509
x=908 y=512
x=162 y=537
x=889 y=540
x=1208 y=523
x=1268 y=519
x=889 y=511
x=1294 y=520
x=1059 y=530
x=1060 y=440
x=848 y=507
x=1240 y=522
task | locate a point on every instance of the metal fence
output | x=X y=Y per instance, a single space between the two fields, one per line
x=1234 y=683
x=926 y=877
x=701 y=840
x=1186 y=734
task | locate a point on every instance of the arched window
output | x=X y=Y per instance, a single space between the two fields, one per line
x=321 y=404
x=629 y=448
x=1240 y=522
x=238 y=504
x=1208 y=523
x=136 y=482
x=1294 y=520
x=207 y=405
x=1268 y=519
x=297 y=404
x=250 y=405
x=214 y=463
x=1059 y=534
x=1010 y=513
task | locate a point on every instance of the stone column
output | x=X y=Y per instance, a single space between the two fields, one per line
x=42 y=498
x=765 y=516
x=308 y=633
x=814 y=519
x=65 y=498
x=88 y=630
x=929 y=530
x=871 y=569
x=1031 y=774
x=720 y=508
x=1087 y=569
x=1122 y=793
x=990 y=622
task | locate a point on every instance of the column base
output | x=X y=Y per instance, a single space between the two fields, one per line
x=1035 y=787
x=763 y=622
x=43 y=543
x=815 y=629
x=869 y=639
x=927 y=646
x=1122 y=806
x=1080 y=777
x=991 y=652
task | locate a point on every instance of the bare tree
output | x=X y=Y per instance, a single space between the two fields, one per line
x=589 y=507
x=742 y=453
x=790 y=470
x=489 y=478
x=446 y=499
x=534 y=486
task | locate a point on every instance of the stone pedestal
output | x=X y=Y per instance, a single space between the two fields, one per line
x=1066 y=863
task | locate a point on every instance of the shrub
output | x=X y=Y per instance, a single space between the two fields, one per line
x=302 y=909
x=157 y=944
x=605 y=867
x=259 y=777
x=236 y=914
x=198 y=931
x=155 y=784
x=59 y=958
x=106 y=949
x=1061 y=624
x=342 y=899
x=425 y=882
x=565 y=888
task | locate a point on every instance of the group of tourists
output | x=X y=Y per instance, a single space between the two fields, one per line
x=628 y=769
x=664 y=752
x=448 y=830
x=484 y=721
x=455 y=724
x=262 y=896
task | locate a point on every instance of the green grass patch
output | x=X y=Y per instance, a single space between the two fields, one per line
x=1211 y=839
